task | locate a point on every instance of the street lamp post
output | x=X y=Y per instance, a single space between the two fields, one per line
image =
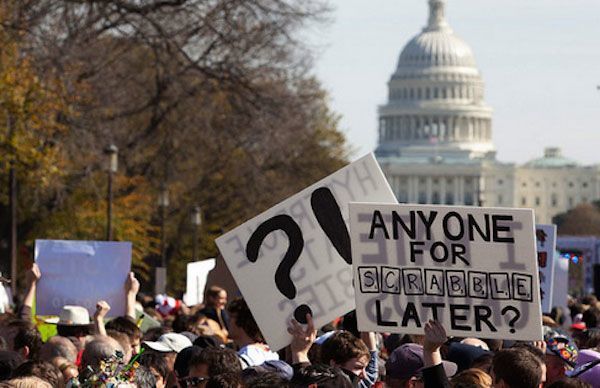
x=196 y=221
x=160 y=281
x=163 y=203
x=113 y=163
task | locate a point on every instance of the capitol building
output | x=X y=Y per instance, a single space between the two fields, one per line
x=435 y=136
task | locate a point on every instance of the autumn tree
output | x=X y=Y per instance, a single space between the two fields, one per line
x=213 y=98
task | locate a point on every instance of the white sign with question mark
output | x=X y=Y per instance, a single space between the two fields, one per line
x=295 y=258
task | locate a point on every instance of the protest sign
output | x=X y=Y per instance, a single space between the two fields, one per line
x=545 y=236
x=82 y=273
x=473 y=269
x=560 y=288
x=197 y=273
x=295 y=257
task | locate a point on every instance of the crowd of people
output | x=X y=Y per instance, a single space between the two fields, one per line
x=218 y=344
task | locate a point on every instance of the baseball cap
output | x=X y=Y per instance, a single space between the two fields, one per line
x=169 y=342
x=406 y=361
x=561 y=345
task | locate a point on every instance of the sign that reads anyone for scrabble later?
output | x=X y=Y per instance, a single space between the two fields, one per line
x=473 y=269
x=545 y=236
x=295 y=257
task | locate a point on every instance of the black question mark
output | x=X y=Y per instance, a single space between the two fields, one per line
x=511 y=322
x=283 y=281
x=329 y=216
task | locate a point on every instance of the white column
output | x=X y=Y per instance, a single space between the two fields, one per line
x=442 y=190
x=429 y=189
x=461 y=191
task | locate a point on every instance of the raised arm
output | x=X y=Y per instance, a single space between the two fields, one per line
x=433 y=371
x=132 y=286
x=102 y=308
x=32 y=276
x=303 y=339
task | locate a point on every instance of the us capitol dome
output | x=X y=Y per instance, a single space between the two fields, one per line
x=436 y=98
x=435 y=136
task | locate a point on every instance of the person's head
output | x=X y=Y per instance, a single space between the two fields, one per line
x=591 y=317
x=264 y=380
x=182 y=362
x=74 y=321
x=405 y=364
x=589 y=299
x=347 y=352
x=463 y=354
x=216 y=297
x=561 y=354
x=9 y=361
x=42 y=369
x=472 y=378
x=27 y=340
x=516 y=368
x=123 y=340
x=169 y=345
x=569 y=383
x=144 y=377
x=213 y=361
x=68 y=369
x=58 y=346
x=475 y=342
x=483 y=362
x=157 y=365
x=226 y=380
x=128 y=327
x=28 y=382
x=98 y=349
x=243 y=329
x=321 y=376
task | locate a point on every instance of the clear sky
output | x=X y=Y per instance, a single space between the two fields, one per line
x=540 y=61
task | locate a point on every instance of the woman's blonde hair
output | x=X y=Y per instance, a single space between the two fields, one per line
x=471 y=378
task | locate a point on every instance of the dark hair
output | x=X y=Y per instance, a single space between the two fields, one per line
x=155 y=361
x=589 y=338
x=323 y=376
x=42 y=369
x=144 y=377
x=74 y=331
x=183 y=360
x=240 y=311
x=569 y=383
x=126 y=326
x=263 y=380
x=27 y=335
x=218 y=361
x=225 y=380
x=537 y=352
x=591 y=317
x=154 y=333
x=9 y=361
x=214 y=291
x=517 y=367
x=181 y=323
x=341 y=347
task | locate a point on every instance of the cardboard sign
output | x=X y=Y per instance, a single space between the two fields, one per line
x=473 y=269
x=545 y=236
x=82 y=273
x=295 y=257
x=560 y=288
x=197 y=273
